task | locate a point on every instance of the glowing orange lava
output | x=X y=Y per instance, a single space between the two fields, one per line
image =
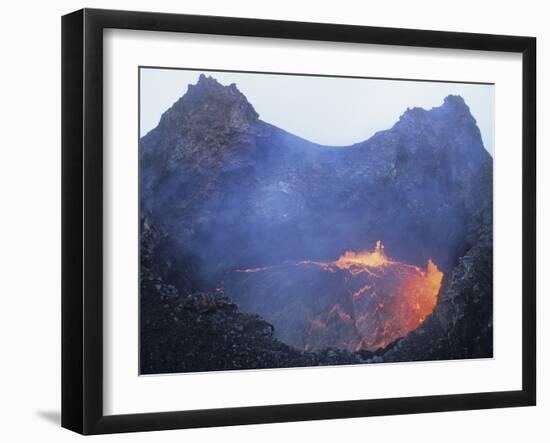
x=422 y=291
x=388 y=300
x=351 y=259
x=377 y=299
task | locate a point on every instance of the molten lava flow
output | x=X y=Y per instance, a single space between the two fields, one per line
x=361 y=291
x=388 y=300
x=337 y=311
x=362 y=300
x=422 y=291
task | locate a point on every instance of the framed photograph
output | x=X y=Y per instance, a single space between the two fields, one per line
x=269 y=221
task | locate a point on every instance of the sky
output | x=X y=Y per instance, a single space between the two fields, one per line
x=331 y=111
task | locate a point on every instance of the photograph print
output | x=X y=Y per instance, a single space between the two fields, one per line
x=294 y=220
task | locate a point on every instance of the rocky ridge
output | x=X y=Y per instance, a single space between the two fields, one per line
x=230 y=190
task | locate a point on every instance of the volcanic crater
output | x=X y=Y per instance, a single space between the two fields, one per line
x=348 y=248
x=360 y=301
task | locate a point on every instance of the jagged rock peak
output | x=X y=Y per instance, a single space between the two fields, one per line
x=455 y=100
x=456 y=105
x=208 y=84
x=453 y=110
x=210 y=101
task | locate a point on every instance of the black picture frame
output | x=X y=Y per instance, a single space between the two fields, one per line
x=82 y=215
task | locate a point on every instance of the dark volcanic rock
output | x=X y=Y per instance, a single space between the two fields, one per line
x=228 y=190
x=206 y=332
x=183 y=331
